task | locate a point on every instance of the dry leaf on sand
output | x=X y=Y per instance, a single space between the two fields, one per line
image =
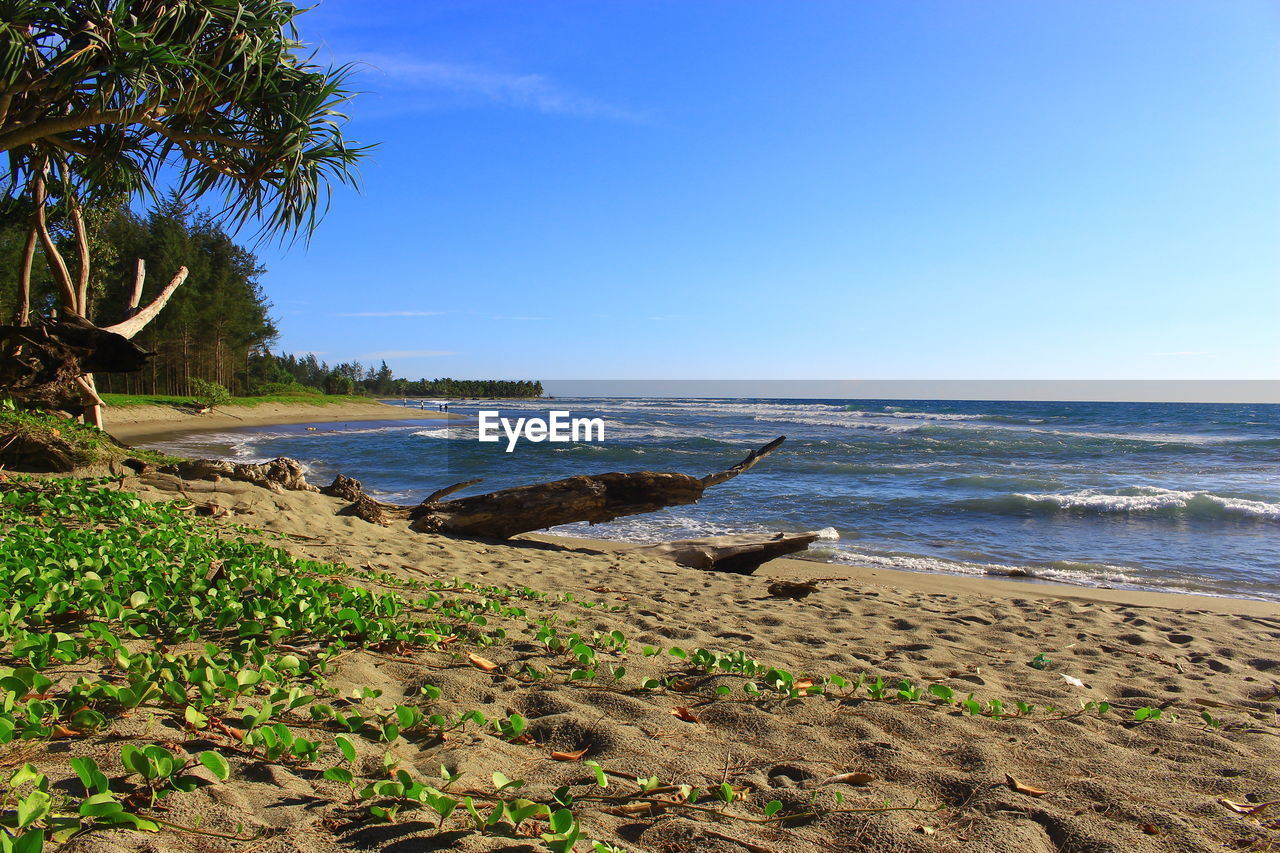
x=850 y=779
x=569 y=756
x=1247 y=808
x=683 y=713
x=1023 y=788
x=482 y=663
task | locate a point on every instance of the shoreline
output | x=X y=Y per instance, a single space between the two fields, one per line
x=139 y=424
x=793 y=568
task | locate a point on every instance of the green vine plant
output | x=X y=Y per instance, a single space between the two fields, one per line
x=115 y=606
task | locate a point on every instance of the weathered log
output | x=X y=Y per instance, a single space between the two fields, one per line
x=41 y=365
x=594 y=499
x=739 y=553
x=278 y=474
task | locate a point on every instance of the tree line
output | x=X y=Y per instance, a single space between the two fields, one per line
x=216 y=328
x=209 y=327
x=272 y=373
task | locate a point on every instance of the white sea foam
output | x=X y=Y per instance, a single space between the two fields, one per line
x=432 y=433
x=659 y=527
x=828 y=534
x=1080 y=574
x=1149 y=499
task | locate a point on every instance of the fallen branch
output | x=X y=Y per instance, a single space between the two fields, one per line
x=591 y=498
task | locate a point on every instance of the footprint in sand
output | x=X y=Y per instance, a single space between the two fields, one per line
x=788 y=776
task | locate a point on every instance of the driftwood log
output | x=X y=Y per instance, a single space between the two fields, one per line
x=500 y=515
x=509 y=512
x=739 y=553
x=591 y=498
x=43 y=365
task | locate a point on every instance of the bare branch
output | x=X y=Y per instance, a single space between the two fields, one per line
x=129 y=328
x=50 y=127
x=134 y=298
x=745 y=465
x=439 y=494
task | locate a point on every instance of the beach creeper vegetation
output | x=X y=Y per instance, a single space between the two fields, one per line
x=116 y=609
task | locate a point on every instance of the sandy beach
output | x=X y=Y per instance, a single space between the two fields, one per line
x=934 y=778
x=138 y=424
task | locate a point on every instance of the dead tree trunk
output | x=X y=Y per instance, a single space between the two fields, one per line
x=44 y=366
x=594 y=499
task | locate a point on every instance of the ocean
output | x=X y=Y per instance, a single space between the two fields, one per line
x=1159 y=496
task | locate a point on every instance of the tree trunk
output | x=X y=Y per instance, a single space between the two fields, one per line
x=24 y=280
x=46 y=365
x=57 y=264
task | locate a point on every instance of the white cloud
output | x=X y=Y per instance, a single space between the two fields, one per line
x=389 y=314
x=523 y=91
x=407 y=353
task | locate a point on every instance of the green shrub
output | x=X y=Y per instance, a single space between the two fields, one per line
x=209 y=393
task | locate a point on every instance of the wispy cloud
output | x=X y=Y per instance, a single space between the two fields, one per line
x=523 y=91
x=389 y=314
x=407 y=353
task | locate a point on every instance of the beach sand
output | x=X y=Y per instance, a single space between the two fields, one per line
x=138 y=424
x=1112 y=784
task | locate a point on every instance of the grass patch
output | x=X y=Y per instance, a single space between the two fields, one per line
x=34 y=433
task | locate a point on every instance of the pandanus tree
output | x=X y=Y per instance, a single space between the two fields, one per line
x=108 y=98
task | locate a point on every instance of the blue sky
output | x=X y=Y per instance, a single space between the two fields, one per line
x=834 y=190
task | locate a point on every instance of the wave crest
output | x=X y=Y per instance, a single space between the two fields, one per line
x=1150 y=500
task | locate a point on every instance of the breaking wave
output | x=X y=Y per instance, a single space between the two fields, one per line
x=1144 y=500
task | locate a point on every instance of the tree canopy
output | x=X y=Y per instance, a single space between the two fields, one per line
x=97 y=96
x=99 y=99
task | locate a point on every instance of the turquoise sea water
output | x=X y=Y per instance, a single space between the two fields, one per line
x=1178 y=497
